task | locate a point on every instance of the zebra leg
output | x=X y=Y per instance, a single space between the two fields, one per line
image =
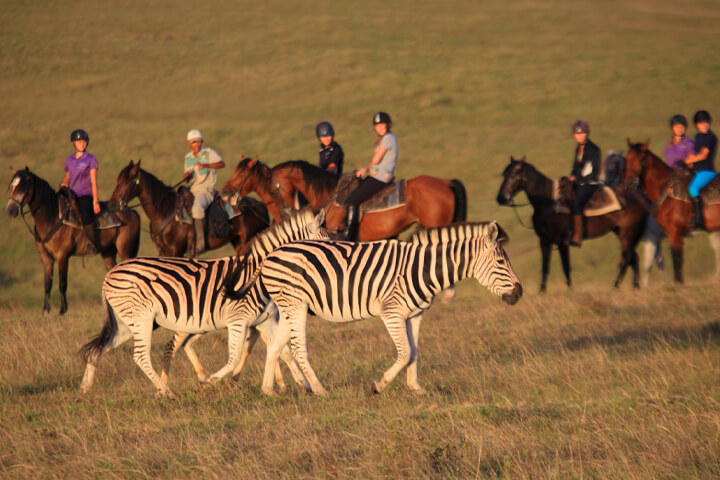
x=185 y=340
x=714 y=240
x=252 y=336
x=236 y=343
x=142 y=334
x=413 y=331
x=395 y=324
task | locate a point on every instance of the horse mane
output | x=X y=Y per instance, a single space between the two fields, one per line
x=316 y=179
x=153 y=183
x=450 y=233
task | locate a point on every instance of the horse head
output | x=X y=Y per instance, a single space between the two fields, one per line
x=514 y=180
x=21 y=191
x=128 y=186
x=243 y=179
x=635 y=161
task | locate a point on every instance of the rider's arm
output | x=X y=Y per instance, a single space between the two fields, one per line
x=66 y=180
x=93 y=183
x=377 y=157
x=697 y=157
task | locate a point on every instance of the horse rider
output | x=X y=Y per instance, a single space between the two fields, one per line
x=679 y=146
x=201 y=165
x=331 y=154
x=584 y=175
x=81 y=178
x=702 y=163
x=380 y=172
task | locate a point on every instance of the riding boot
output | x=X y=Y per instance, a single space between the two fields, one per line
x=90 y=241
x=576 y=239
x=199 y=236
x=697 y=214
x=351 y=225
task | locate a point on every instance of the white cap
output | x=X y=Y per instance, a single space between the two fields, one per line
x=194 y=135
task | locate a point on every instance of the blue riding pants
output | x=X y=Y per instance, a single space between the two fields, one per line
x=702 y=178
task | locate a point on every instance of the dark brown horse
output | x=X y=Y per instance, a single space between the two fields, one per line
x=56 y=241
x=672 y=214
x=554 y=228
x=431 y=202
x=174 y=237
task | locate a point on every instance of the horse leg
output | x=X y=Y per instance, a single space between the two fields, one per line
x=564 y=250
x=649 y=254
x=62 y=282
x=546 y=252
x=108 y=257
x=48 y=266
x=676 y=248
x=714 y=240
x=413 y=330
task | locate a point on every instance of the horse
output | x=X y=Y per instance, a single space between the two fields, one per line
x=672 y=214
x=554 y=228
x=430 y=201
x=172 y=236
x=57 y=241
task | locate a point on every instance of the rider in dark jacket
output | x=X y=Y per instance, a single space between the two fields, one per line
x=584 y=175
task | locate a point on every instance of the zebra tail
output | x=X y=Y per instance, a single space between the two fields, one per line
x=458 y=189
x=94 y=347
x=233 y=278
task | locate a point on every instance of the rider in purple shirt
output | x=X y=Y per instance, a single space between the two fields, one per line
x=679 y=146
x=81 y=179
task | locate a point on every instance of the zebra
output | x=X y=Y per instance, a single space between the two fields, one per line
x=395 y=280
x=188 y=295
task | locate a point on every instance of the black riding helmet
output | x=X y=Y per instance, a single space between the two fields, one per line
x=678 y=120
x=324 y=129
x=702 y=116
x=382 y=117
x=79 y=134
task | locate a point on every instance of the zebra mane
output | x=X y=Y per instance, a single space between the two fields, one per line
x=298 y=226
x=458 y=231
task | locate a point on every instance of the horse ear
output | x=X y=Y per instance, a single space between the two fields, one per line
x=27 y=170
x=131 y=163
x=13 y=170
x=629 y=142
x=252 y=162
x=523 y=158
x=138 y=163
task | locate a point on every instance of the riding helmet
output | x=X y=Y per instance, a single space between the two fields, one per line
x=678 y=120
x=702 y=116
x=324 y=129
x=382 y=117
x=79 y=134
x=580 y=127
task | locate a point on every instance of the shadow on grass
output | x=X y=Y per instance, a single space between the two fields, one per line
x=647 y=337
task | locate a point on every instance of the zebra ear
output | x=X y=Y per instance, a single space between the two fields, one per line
x=492 y=232
x=320 y=217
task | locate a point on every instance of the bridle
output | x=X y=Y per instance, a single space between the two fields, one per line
x=274 y=191
x=515 y=206
x=129 y=193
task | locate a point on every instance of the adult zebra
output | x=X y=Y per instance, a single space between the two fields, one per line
x=188 y=296
x=396 y=280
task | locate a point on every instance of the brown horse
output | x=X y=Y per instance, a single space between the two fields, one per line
x=554 y=228
x=431 y=202
x=672 y=214
x=174 y=237
x=57 y=241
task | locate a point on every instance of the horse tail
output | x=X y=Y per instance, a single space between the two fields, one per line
x=92 y=350
x=458 y=190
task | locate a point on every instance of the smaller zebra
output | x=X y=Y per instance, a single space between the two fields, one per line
x=395 y=280
x=188 y=296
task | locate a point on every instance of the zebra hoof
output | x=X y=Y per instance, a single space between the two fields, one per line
x=377 y=387
x=269 y=392
x=165 y=394
x=419 y=391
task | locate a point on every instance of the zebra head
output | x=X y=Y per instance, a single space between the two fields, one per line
x=491 y=266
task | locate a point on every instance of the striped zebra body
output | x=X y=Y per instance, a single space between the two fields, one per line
x=344 y=281
x=189 y=296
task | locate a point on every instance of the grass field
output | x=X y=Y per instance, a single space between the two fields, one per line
x=587 y=383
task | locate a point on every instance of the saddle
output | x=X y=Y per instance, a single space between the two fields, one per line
x=678 y=188
x=69 y=213
x=603 y=201
x=217 y=215
x=391 y=197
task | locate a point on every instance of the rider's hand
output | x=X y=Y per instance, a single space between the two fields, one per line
x=96 y=207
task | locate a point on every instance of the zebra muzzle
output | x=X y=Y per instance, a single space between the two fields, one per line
x=511 y=298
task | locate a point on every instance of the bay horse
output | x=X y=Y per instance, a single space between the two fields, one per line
x=173 y=237
x=56 y=241
x=431 y=202
x=672 y=214
x=554 y=228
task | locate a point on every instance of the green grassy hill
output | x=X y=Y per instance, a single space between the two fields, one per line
x=467 y=83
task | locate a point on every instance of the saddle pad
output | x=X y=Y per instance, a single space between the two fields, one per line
x=70 y=216
x=392 y=196
x=678 y=188
x=603 y=201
